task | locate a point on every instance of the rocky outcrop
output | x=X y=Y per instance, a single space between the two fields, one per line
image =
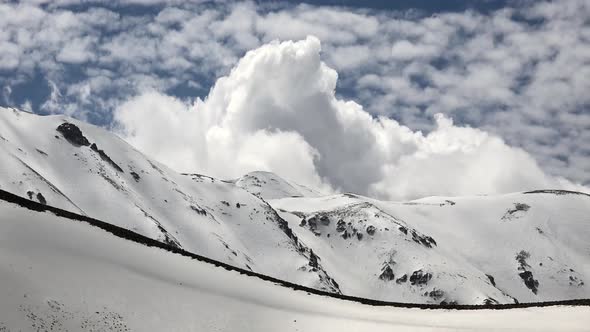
x=492 y=280
x=436 y=294
x=340 y=226
x=105 y=157
x=135 y=176
x=386 y=273
x=529 y=281
x=526 y=275
x=73 y=134
x=41 y=199
x=425 y=240
x=420 y=277
x=516 y=212
x=402 y=279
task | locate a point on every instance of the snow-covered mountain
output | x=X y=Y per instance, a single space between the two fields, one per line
x=65 y=274
x=526 y=247
x=87 y=170
x=271 y=186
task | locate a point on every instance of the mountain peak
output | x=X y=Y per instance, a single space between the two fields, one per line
x=268 y=185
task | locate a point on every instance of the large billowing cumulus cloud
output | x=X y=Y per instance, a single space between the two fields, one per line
x=277 y=111
x=520 y=72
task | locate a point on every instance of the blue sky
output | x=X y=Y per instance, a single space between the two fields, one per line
x=36 y=89
x=518 y=70
x=427 y=6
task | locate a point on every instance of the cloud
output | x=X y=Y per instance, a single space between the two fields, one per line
x=518 y=72
x=277 y=111
x=76 y=51
x=6 y=92
x=52 y=104
x=10 y=55
x=405 y=50
x=332 y=25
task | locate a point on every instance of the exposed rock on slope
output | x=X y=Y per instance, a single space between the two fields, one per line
x=73 y=134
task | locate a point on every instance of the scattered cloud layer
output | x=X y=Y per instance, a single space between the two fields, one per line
x=277 y=111
x=520 y=73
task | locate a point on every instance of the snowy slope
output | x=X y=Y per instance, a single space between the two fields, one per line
x=195 y=212
x=59 y=274
x=466 y=250
x=525 y=247
x=271 y=186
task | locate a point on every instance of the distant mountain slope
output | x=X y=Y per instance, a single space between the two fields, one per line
x=271 y=186
x=517 y=247
x=526 y=247
x=60 y=274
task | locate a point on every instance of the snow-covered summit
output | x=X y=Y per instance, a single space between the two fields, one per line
x=269 y=185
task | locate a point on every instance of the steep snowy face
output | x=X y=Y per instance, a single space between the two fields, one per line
x=271 y=186
x=71 y=165
x=525 y=247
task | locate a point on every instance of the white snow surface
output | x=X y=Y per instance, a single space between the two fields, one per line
x=271 y=186
x=59 y=274
x=447 y=248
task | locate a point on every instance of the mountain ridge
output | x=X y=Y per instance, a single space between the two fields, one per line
x=425 y=251
x=68 y=275
x=146 y=241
